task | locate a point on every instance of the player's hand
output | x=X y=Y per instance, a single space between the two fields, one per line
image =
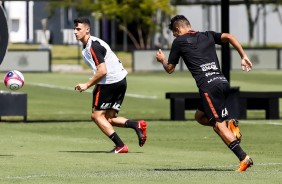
x=81 y=87
x=246 y=64
x=160 y=56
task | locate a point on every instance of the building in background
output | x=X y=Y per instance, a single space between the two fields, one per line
x=20 y=21
x=29 y=22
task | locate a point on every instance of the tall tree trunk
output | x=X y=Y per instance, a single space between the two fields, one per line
x=141 y=39
x=279 y=13
x=252 y=22
x=148 y=40
x=132 y=38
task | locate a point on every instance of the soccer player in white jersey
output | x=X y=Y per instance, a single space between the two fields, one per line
x=110 y=86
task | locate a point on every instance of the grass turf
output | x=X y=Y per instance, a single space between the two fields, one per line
x=176 y=152
x=51 y=96
x=74 y=150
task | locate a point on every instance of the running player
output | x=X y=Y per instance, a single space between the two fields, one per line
x=198 y=51
x=110 y=86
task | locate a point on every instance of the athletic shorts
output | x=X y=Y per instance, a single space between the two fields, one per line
x=214 y=100
x=109 y=96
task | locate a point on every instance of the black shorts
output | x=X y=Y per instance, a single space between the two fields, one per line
x=109 y=96
x=214 y=100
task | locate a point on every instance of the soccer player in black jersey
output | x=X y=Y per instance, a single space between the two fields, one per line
x=198 y=51
x=110 y=86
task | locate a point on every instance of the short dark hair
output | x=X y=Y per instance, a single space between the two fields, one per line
x=177 y=20
x=82 y=20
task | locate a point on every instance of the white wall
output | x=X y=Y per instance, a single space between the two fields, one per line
x=17 y=19
x=238 y=22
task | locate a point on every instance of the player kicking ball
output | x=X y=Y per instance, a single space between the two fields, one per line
x=198 y=52
x=110 y=86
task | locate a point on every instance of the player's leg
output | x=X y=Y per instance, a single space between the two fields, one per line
x=214 y=104
x=140 y=126
x=102 y=95
x=233 y=125
x=233 y=144
x=202 y=118
x=226 y=135
x=99 y=117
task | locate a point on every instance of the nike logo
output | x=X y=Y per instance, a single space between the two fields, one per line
x=117 y=151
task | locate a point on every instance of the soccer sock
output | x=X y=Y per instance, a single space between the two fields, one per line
x=131 y=124
x=237 y=150
x=115 y=138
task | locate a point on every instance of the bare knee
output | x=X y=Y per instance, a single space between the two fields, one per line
x=110 y=116
x=94 y=118
x=201 y=118
x=97 y=117
x=198 y=116
x=110 y=119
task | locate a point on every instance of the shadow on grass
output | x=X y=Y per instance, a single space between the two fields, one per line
x=61 y=120
x=93 y=152
x=7 y=155
x=194 y=169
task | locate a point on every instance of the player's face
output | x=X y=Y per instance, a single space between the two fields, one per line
x=80 y=31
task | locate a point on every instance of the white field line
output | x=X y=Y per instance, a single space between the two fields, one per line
x=89 y=91
x=24 y=177
x=260 y=123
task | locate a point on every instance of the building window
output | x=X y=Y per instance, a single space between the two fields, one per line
x=15 y=25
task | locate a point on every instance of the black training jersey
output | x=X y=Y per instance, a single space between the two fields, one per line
x=198 y=51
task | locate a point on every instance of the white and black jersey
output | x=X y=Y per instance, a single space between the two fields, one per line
x=95 y=52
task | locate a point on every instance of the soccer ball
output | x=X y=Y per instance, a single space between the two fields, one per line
x=14 y=80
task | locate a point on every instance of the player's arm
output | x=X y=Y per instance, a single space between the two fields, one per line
x=245 y=61
x=101 y=72
x=169 y=68
x=98 y=53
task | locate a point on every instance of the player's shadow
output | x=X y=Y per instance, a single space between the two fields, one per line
x=7 y=155
x=193 y=169
x=84 y=151
x=90 y=152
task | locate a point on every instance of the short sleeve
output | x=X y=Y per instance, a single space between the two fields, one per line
x=216 y=36
x=174 y=54
x=98 y=52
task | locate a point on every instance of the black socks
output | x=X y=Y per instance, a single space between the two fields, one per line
x=115 y=138
x=237 y=150
x=131 y=124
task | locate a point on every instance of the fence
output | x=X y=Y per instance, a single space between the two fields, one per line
x=262 y=58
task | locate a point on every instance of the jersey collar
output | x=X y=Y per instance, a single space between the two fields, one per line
x=192 y=32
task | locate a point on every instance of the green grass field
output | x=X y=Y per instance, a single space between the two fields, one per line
x=60 y=144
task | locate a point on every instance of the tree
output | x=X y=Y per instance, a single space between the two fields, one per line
x=252 y=21
x=141 y=13
x=260 y=6
x=278 y=3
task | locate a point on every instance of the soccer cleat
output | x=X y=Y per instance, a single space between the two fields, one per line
x=141 y=132
x=233 y=125
x=245 y=164
x=120 y=149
